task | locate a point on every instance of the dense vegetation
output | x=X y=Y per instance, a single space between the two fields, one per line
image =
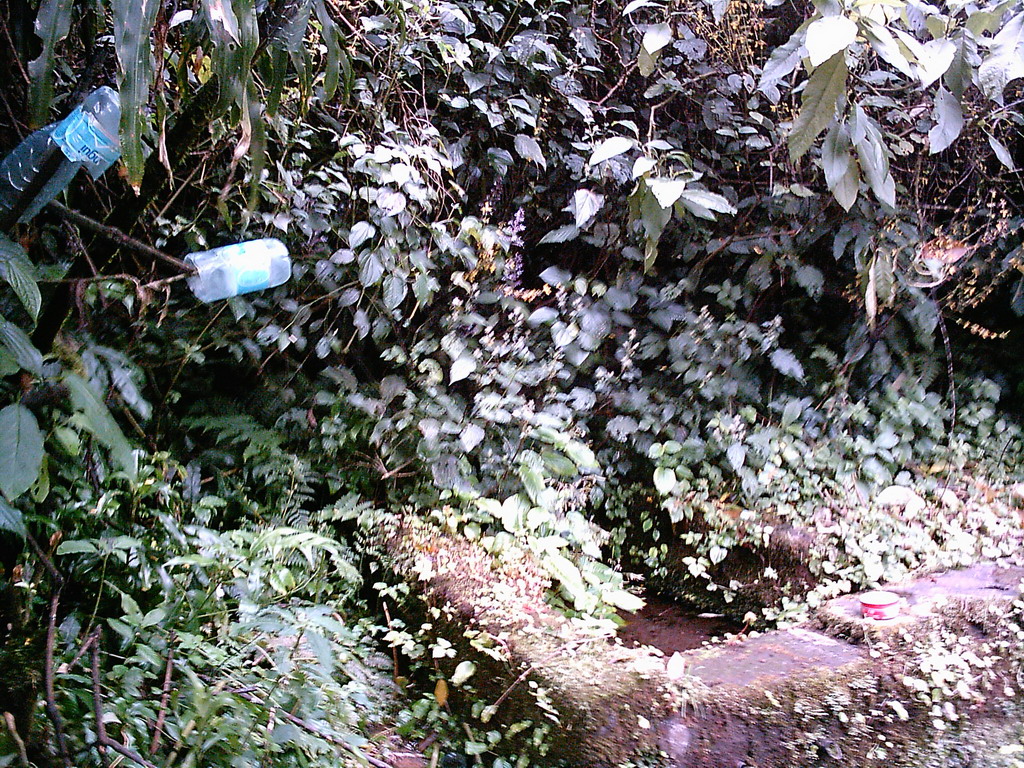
x=582 y=280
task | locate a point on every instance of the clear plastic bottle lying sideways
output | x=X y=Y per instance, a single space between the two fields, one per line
x=232 y=270
x=43 y=165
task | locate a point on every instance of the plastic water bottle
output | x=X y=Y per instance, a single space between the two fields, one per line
x=232 y=270
x=45 y=162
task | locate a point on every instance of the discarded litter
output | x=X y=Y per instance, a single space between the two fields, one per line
x=43 y=165
x=233 y=270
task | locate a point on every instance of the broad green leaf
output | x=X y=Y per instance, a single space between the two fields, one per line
x=623 y=600
x=133 y=23
x=737 y=456
x=585 y=205
x=873 y=155
x=841 y=171
x=21 y=450
x=532 y=481
x=666 y=191
x=232 y=26
x=76 y=547
x=664 y=480
x=97 y=419
x=336 y=56
x=20 y=347
x=562 y=234
x=949 y=121
x=828 y=36
x=371 y=270
x=708 y=200
x=936 y=57
x=818 y=106
x=361 y=232
x=785 y=362
x=961 y=71
x=461 y=368
x=11 y=519
x=886 y=46
x=51 y=26
x=610 y=148
x=529 y=149
x=656 y=37
x=581 y=455
x=463 y=672
x=20 y=274
x=1002 y=153
x=1003 y=63
x=566 y=572
x=395 y=290
x=782 y=62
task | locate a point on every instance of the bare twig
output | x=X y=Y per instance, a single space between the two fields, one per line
x=47 y=562
x=12 y=729
x=158 y=729
x=131 y=754
x=119 y=237
x=97 y=702
x=51 y=700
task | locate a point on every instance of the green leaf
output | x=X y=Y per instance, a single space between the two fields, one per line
x=133 y=22
x=708 y=201
x=461 y=368
x=818 y=106
x=1003 y=62
x=873 y=155
x=51 y=26
x=395 y=290
x=529 y=149
x=21 y=450
x=100 y=423
x=828 y=36
x=960 y=73
x=1002 y=153
x=532 y=481
x=585 y=205
x=664 y=480
x=656 y=37
x=566 y=572
x=623 y=600
x=841 y=171
x=20 y=274
x=949 y=121
x=666 y=191
x=20 y=347
x=737 y=455
x=782 y=62
x=11 y=519
x=610 y=148
x=886 y=46
x=335 y=54
x=76 y=547
x=785 y=362
x=935 y=59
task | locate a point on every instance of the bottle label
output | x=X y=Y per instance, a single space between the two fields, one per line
x=82 y=141
x=252 y=264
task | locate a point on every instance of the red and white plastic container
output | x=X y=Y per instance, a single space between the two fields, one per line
x=880 y=605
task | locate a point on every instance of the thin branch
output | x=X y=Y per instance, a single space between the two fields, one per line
x=165 y=698
x=51 y=701
x=97 y=702
x=117 y=236
x=12 y=729
x=131 y=754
